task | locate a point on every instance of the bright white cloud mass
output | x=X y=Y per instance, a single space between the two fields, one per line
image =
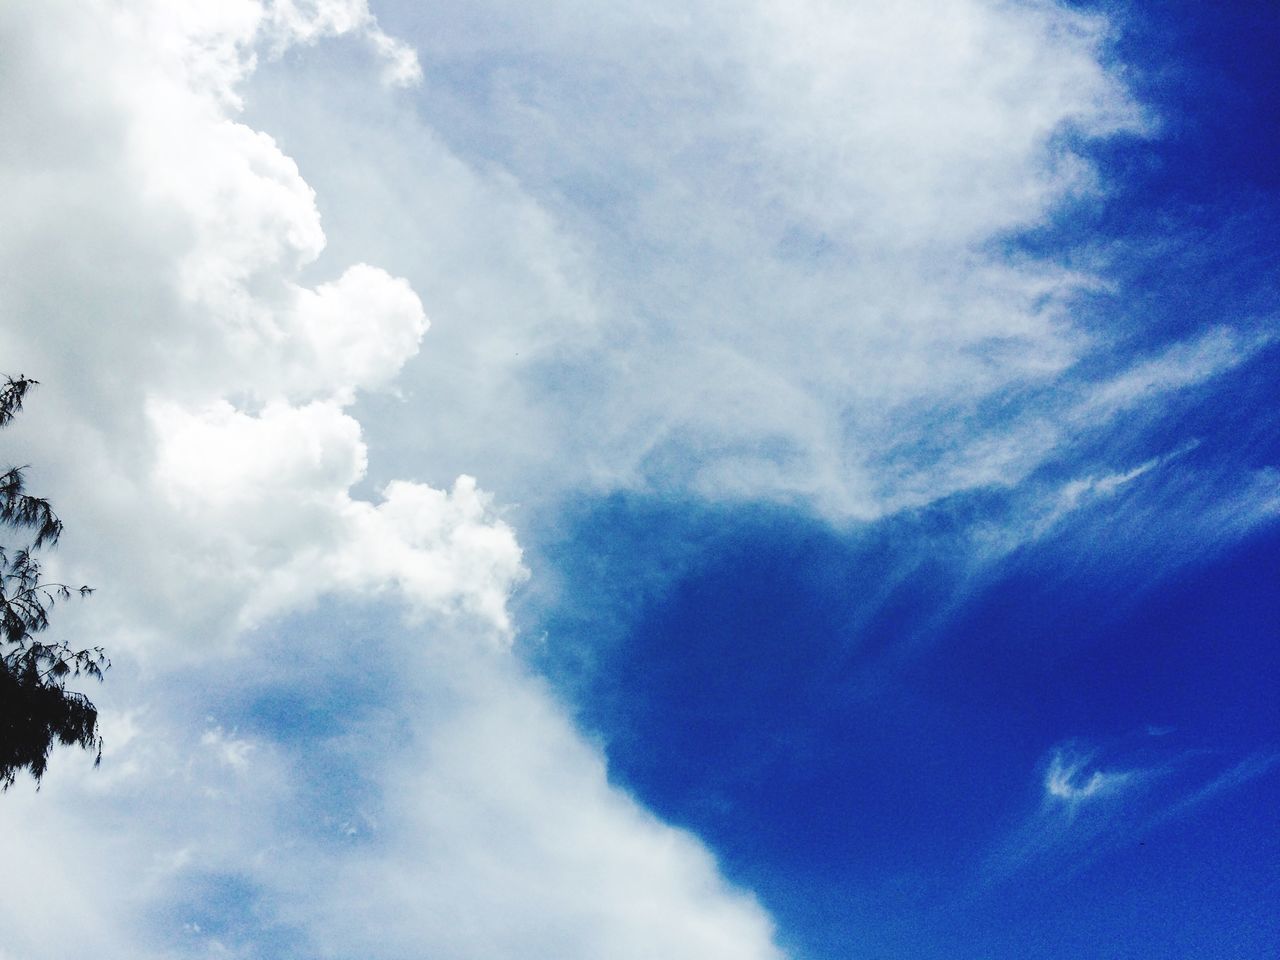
x=738 y=252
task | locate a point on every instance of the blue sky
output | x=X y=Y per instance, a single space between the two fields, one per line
x=686 y=480
x=858 y=723
x=875 y=795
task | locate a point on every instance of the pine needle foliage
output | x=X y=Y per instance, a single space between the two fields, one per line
x=36 y=709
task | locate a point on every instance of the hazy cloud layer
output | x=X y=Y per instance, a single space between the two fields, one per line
x=741 y=252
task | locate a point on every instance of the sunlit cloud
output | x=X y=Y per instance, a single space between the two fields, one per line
x=764 y=255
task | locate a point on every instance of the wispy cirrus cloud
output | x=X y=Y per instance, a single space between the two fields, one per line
x=1090 y=807
x=1079 y=810
x=1071 y=780
x=805 y=295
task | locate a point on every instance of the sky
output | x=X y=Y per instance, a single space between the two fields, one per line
x=651 y=480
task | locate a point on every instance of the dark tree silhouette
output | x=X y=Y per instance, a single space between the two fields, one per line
x=36 y=709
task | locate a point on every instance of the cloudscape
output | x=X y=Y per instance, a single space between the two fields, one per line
x=650 y=481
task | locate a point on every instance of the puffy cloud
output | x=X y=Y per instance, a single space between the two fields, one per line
x=197 y=429
x=208 y=379
x=339 y=354
x=268 y=497
x=508 y=814
x=459 y=814
x=291 y=22
x=226 y=459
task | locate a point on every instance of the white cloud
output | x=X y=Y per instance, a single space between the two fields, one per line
x=1081 y=809
x=1069 y=779
x=1087 y=811
x=741 y=253
x=291 y=22
x=196 y=429
x=1182 y=365
x=264 y=499
x=461 y=815
x=508 y=814
x=930 y=124
x=204 y=375
x=232 y=751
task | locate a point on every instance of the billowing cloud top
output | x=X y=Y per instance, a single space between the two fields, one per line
x=195 y=428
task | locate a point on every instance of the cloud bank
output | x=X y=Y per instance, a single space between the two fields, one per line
x=196 y=428
x=736 y=253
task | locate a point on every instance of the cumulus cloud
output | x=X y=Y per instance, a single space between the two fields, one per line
x=197 y=429
x=461 y=815
x=510 y=815
x=289 y=22
x=272 y=491
x=205 y=374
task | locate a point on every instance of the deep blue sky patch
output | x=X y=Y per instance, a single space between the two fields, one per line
x=760 y=701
